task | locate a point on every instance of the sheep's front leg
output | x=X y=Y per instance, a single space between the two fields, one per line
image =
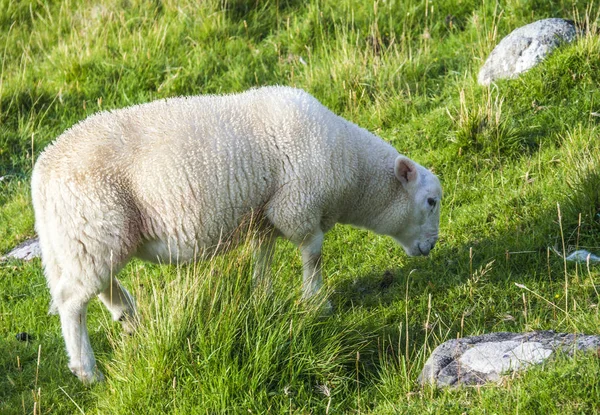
x=311 y=262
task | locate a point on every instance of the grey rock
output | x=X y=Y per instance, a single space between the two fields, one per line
x=525 y=47
x=480 y=359
x=582 y=256
x=26 y=251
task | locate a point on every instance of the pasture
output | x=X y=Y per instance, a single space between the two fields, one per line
x=518 y=161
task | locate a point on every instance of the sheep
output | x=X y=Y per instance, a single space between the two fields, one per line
x=172 y=180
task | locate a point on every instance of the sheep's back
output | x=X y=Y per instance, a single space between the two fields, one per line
x=197 y=166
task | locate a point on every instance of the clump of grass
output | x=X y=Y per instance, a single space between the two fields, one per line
x=582 y=162
x=485 y=130
x=210 y=342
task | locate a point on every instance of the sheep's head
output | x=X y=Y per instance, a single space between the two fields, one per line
x=418 y=232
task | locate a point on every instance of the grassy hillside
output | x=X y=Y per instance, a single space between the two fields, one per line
x=518 y=162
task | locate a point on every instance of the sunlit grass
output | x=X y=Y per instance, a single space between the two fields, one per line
x=509 y=157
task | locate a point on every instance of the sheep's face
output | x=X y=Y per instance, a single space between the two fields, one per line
x=418 y=231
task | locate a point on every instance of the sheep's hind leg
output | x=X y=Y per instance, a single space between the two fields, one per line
x=84 y=275
x=120 y=304
x=71 y=290
x=72 y=309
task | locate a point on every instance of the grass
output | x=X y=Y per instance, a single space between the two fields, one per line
x=518 y=161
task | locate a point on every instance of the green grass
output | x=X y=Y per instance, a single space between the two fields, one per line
x=518 y=161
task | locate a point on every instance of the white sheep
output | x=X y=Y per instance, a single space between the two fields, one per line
x=175 y=178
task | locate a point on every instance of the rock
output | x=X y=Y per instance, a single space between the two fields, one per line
x=480 y=359
x=583 y=257
x=24 y=337
x=524 y=47
x=26 y=251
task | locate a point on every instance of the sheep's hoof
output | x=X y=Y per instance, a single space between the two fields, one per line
x=128 y=324
x=88 y=377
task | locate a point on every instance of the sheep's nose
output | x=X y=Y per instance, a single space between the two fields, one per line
x=426 y=248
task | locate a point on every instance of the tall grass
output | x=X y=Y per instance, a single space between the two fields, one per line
x=208 y=341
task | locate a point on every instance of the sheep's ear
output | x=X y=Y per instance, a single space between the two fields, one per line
x=406 y=171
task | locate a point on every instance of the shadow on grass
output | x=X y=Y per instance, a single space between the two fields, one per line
x=469 y=289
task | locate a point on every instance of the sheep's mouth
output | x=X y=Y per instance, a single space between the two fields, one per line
x=414 y=250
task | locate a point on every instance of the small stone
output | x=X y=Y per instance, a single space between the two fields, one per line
x=24 y=337
x=26 y=251
x=524 y=48
x=582 y=256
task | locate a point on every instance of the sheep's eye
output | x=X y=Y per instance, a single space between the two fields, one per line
x=431 y=201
